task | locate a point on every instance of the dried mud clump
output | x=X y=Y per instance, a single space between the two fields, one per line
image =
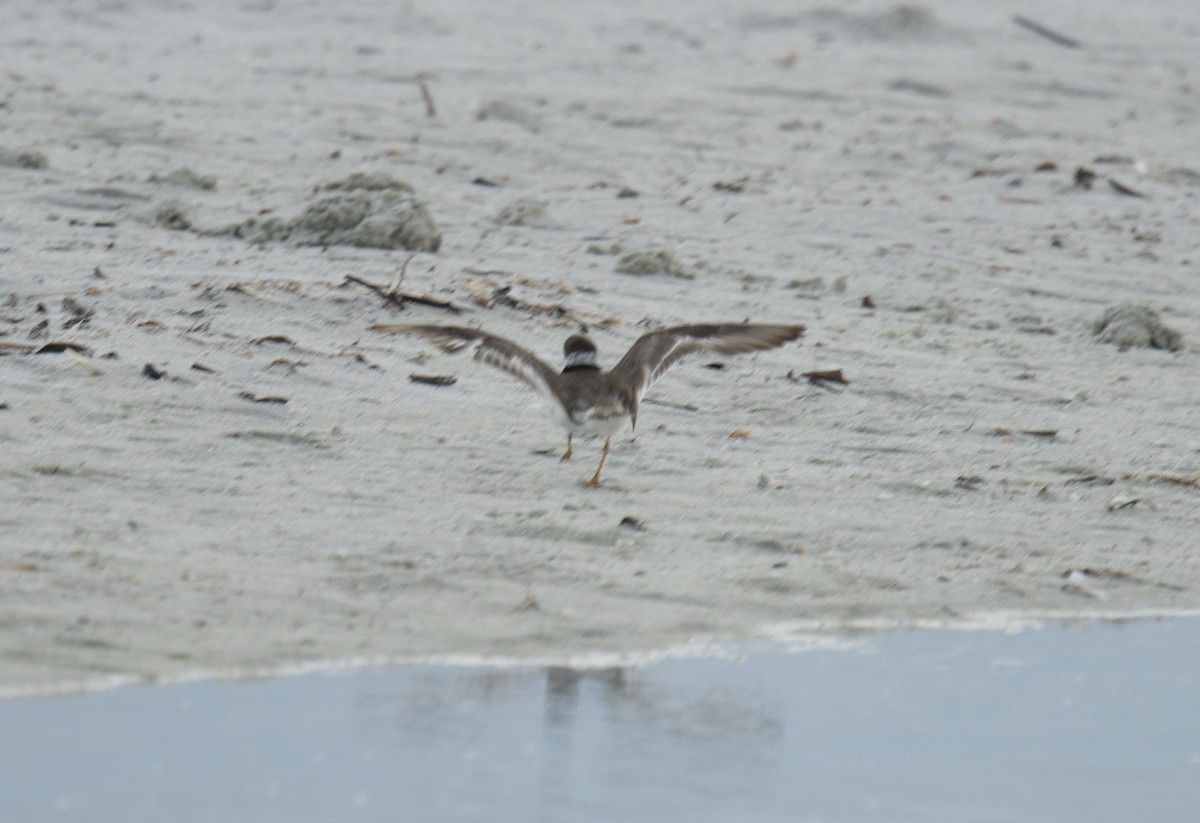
x=171 y=214
x=508 y=112
x=22 y=159
x=370 y=210
x=527 y=211
x=1128 y=325
x=185 y=178
x=653 y=262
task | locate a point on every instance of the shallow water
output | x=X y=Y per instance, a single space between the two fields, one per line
x=1099 y=722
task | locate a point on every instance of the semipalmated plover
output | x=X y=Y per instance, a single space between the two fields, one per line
x=585 y=399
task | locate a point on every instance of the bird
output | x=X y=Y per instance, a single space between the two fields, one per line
x=584 y=398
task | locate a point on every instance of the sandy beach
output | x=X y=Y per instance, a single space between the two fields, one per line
x=209 y=463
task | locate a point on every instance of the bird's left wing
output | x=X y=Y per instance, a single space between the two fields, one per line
x=650 y=357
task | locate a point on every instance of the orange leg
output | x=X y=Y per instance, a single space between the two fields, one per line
x=595 y=481
x=567 y=454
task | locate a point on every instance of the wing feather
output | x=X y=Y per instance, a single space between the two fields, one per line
x=489 y=349
x=650 y=357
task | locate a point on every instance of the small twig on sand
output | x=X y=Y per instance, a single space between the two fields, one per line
x=434 y=379
x=670 y=405
x=400 y=276
x=820 y=378
x=1121 y=188
x=83 y=361
x=398 y=298
x=430 y=109
x=1192 y=480
x=1049 y=34
x=388 y=297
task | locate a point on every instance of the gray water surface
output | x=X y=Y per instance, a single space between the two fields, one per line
x=1092 y=723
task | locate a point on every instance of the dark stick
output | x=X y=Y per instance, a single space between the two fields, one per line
x=430 y=109
x=398 y=298
x=434 y=379
x=403 y=271
x=1121 y=188
x=388 y=297
x=1049 y=34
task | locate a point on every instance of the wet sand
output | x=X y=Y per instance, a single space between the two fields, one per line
x=209 y=463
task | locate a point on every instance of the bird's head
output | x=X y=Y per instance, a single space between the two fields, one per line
x=579 y=352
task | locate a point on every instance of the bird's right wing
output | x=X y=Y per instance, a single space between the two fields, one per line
x=488 y=348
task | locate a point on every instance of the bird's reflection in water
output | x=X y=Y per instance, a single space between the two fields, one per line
x=563 y=685
x=633 y=732
x=617 y=706
x=694 y=713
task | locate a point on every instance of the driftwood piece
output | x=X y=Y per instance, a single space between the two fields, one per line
x=398 y=298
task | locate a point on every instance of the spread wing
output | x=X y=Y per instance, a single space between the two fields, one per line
x=650 y=357
x=488 y=348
